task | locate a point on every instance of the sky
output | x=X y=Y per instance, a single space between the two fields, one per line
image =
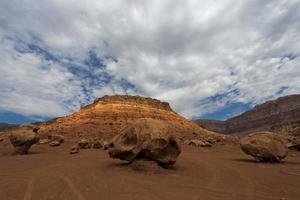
x=208 y=59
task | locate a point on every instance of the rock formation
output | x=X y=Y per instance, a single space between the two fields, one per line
x=264 y=146
x=23 y=138
x=146 y=139
x=261 y=118
x=108 y=115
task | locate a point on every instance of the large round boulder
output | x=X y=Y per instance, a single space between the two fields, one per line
x=23 y=138
x=264 y=146
x=146 y=139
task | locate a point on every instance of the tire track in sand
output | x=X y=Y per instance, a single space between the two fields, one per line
x=73 y=188
x=28 y=192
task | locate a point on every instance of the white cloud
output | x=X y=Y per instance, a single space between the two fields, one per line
x=179 y=51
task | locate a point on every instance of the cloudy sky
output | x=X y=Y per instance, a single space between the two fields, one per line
x=211 y=59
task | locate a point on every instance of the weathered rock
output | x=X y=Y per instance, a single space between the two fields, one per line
x=264 y=146
x=146 y=138
x=74 y=149
x=23 y=138
x=54 y=144
x=84 y=143
x=198 y=143
x=56 y=137
x=44 y=141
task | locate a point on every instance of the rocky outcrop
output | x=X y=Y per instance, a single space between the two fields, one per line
x=264 y=146
x=146 y=139
x=261 y=118
x=108 y=115
x=23 y=138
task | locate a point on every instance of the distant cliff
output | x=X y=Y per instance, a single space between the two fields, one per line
x=266 y=116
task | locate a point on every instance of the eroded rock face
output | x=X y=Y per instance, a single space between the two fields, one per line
x=23 y=138
x=146 y=138
x=264 y=146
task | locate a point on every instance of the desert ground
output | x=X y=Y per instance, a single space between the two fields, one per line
x=220 y=172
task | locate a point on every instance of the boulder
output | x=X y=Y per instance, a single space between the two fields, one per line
x=146 y=139
x=74 y=149
x=264 y=146
x=23 y=138
x=54 y=143
x=84 y=143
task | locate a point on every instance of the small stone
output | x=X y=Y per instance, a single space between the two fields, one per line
x=84 y=144
x=97 y=145
x=74 y=149
x=54 y=143
x=56 y=137
x=44 y=141
x=105 y=145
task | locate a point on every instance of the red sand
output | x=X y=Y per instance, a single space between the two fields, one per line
x=213 y=173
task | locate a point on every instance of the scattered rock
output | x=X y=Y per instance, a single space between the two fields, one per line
x=146 y=138
x=264 y=146
x=55 y=137
x=97 y=144
x=23 y=138
x=198 y=143
x=44 y=141
x=84 y=143
x=54 y=144
x=74 y=149
x=105 y=145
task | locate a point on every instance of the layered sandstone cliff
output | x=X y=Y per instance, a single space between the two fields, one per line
x=108 y=115
x=261 y=118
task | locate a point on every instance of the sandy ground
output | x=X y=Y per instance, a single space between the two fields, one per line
x=212 y=173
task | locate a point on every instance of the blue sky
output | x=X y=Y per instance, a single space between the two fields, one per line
x=208 y=59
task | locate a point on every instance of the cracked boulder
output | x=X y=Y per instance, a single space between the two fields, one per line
x=264 y=146
x=146 y=139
